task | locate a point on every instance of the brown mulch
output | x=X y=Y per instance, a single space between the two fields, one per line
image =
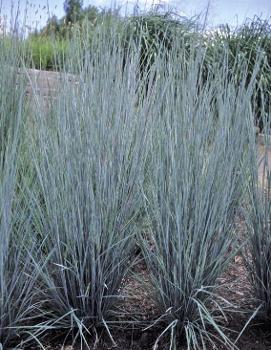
x=138 y=305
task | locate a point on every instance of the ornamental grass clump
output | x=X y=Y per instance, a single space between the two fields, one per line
x=88 y=153
x=17 y=276
x=193 y=189
x=246 y=40
x=257 y=251
x=153 y=31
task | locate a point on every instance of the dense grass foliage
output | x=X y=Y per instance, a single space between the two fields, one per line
x=45 y=53
x=89 y=156
x=257 y=251
x=248 y=41
x=154 y=30
x=199 y=150
x=171 y=146
x=17 y=275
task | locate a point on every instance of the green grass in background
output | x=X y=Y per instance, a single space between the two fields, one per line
x=46 y=53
